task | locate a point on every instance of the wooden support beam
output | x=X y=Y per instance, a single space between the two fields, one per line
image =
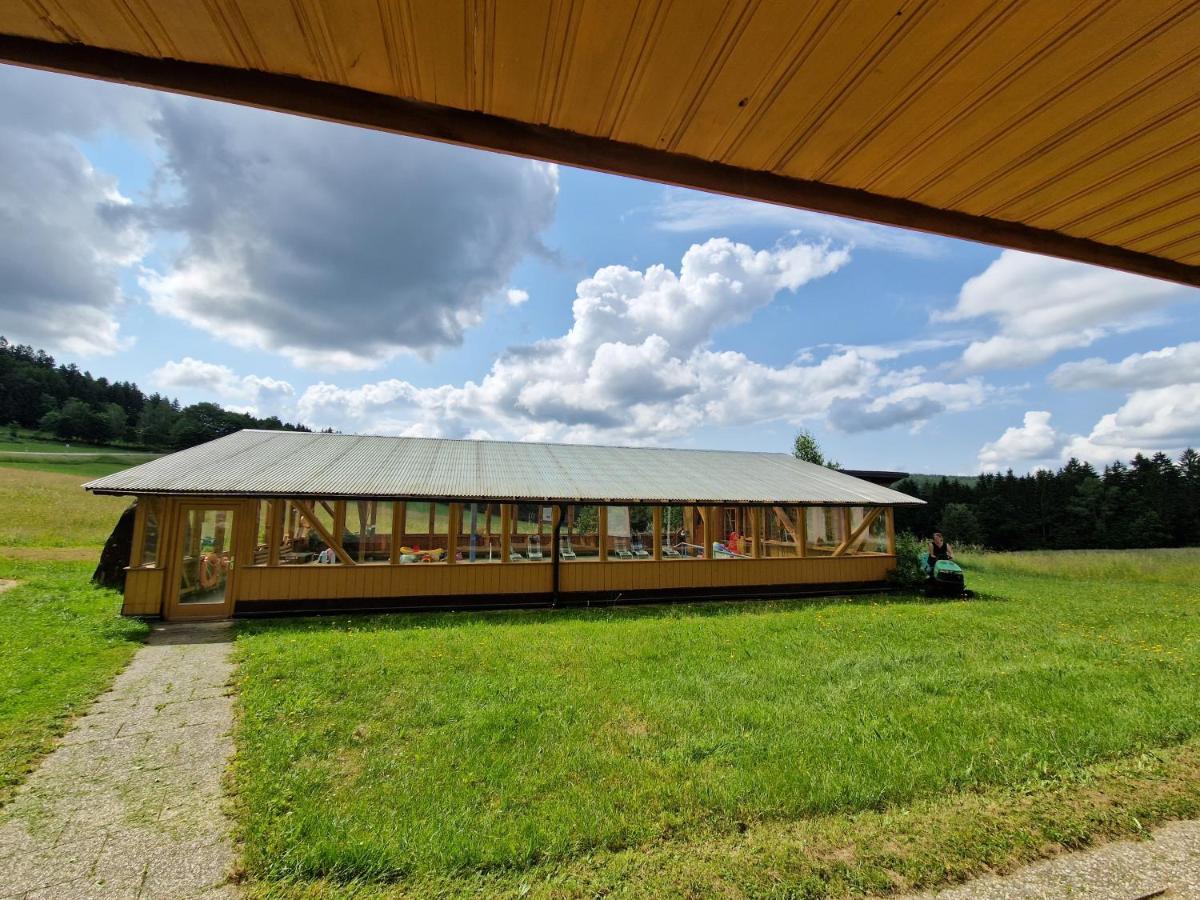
x=432 y=523
x=707 y=530
x=656 y=528
x=335 y=545
x=139 y=531
x=754 y=514
x=602 y=529
x=891 y=530
x=275 y=525
x=363 y=509
x=505 y=532
x=802 y=531
x=859 y=531
x=339 y=521
x=399 y=514
x=454 y=515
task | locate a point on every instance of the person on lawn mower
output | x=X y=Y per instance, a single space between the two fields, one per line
x=939 y=549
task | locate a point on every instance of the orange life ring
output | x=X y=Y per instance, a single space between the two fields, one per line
x=210 y=570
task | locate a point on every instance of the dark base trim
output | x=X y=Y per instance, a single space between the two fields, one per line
x=443 y=603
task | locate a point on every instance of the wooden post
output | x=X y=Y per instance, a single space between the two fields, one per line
x=139 y=532
x=891 y=530
x=432 y=524
x=454 y=515
x=505 y=532
x=708 y=528
x=802 y=531
x=656 y=527
x=275 y=525
x=602 y=535
x=363 y=513
x=292 y=515
x=754 y=514
x=399 y=513
x=845 y=512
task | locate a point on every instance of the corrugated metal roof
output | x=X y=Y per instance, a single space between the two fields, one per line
x=298 y=464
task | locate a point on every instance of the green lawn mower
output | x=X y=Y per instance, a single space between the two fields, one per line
x=944 y=578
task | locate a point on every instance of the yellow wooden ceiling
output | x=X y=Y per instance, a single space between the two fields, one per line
x=1066 y=126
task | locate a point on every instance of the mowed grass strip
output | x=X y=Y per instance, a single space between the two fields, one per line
x=460 y=748
x=62 y=642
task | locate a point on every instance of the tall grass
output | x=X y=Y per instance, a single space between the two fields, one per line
x=1158 y=566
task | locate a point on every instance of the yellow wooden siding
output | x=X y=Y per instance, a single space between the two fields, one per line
x=143 y=592
x=259 y=583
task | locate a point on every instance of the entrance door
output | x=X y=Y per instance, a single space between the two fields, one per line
x=205 y=565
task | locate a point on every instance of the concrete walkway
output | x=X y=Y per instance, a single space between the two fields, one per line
x=1167 y=866
x=130 y=804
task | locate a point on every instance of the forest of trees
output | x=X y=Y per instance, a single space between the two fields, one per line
x=62 y=401
x=1154 y=501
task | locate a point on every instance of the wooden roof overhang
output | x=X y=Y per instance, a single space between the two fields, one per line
x=1066 y=128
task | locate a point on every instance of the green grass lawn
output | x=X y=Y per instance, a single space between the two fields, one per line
x=783 y=748
x=62 y=642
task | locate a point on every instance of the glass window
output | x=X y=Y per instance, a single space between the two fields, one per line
x=147 y=554
x=672 y=532
x=733 y=532
x=781 y=532
x=580 y=537
x=206 y=556
x=479 y=533
x=874 y=537
x=532 y=528
x=826 y=529
x=426 y=527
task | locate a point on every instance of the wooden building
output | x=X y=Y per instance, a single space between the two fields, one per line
x=263 y=522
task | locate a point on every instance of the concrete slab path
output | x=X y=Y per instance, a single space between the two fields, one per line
x=1167 y=866
x=130 y=803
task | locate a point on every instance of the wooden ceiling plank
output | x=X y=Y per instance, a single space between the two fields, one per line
x=343 y=104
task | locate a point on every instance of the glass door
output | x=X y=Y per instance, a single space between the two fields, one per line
x=205 y=564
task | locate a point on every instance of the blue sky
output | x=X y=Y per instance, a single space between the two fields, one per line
x=380 y=284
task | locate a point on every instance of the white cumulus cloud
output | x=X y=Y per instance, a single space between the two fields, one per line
x=259 y=395
x=1034 y=440
x=1041 y=306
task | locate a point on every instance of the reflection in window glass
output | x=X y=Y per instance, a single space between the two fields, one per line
x=874 y=538
x=479 y=533
x=826 y=529
x=580 y=537
x=781 y=532
x=151 y=529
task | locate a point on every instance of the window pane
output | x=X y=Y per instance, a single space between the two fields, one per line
x=826 y=529
x=479 y=533
x=531 y=531
x=781 y=531
x=151 y=529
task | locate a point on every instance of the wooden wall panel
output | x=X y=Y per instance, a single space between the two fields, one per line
x=143 y=592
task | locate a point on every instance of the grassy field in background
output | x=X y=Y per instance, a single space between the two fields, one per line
x=709 y=748
x=51 y=509
x=29 y=441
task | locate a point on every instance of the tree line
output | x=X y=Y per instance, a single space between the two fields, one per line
x=1153 y=501
x=61 y=400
